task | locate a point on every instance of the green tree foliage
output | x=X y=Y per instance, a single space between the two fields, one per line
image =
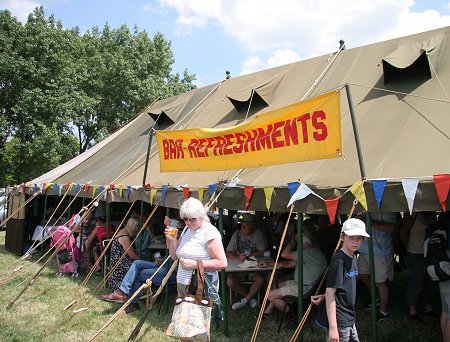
x=62 y=91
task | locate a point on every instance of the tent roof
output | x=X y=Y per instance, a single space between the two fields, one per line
x=400 y=93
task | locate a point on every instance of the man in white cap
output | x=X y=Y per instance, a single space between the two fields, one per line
x=340 y=294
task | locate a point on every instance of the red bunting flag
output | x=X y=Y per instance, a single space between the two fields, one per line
x=112 y=186
x=186 y=193
x=67 y=187
x=248 y=191
x=442 y=184
x=147 y=186
x=332 y=206
x=86 y=190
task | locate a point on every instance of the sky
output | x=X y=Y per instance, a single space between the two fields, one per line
x=209 y=37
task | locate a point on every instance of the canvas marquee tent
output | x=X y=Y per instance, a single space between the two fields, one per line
x=400 y=90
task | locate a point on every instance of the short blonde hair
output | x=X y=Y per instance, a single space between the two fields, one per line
x=193 y=208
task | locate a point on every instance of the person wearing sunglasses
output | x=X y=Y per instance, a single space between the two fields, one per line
x=200 y=240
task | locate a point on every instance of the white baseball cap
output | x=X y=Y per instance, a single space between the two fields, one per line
x=354 y=227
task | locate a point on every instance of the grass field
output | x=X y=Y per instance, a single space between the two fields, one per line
x=40 y=309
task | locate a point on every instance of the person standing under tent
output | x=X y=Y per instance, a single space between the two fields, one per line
x=341 y=280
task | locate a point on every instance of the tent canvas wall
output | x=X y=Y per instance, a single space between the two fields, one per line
x=400 y=93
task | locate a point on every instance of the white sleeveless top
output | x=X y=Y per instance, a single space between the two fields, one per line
x=194 y=245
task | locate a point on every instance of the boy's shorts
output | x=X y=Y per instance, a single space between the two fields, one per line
x=384 y=267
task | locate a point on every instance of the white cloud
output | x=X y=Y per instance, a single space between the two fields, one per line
x=294 y=29
x=19 y=9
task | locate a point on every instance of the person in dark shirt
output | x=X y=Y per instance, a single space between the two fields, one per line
x=340 y=294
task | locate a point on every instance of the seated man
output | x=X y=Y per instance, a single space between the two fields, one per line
x=244 y=243
x=314 y=265
x=138 y=273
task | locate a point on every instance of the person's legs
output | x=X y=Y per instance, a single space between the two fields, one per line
x=415 y=263
x=138 y=265
x=383 y=295
x=234 y=283
x=258 y=282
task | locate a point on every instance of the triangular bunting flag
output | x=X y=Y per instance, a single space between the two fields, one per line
x=100 y=189
x=378 y=190
x=302 y=191
x=24 y=187
x=93 y=191
x=46 y=186
x=292 y=187
x=60 y=189
x=153 y=191
x=163 y=196
x=442 y=184
x=55 y=188
x=86 y=189
x=186 y=193
x=409 y=188
x=67 y=187
x=268 y=191
x=35 y=187
x=201 y=193
x=112 y=186
x=77 y=186
x=357 y=190
x=212 y=189
x=120 y=190
x=332 y=206
x=128 y=192
x=248 y=191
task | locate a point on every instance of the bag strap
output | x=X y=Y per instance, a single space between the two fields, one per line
x=200 y=279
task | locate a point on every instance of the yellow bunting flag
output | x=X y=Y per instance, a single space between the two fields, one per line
x=120 y=190
x=48 y=185
x=268 y=191
x=357 y=190
x=94 y=188
x=306 y=130
x=201 y=192
x=153 y=191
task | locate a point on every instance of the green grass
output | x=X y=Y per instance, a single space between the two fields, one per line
x=40 y=309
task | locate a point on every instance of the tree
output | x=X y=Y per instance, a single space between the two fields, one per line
x=62 y=87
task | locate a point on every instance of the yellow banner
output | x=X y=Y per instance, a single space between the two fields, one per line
x=306 y=130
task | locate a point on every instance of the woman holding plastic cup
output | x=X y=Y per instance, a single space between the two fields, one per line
x=200 y=240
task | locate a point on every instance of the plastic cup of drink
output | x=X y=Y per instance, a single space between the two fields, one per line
x=173 y=231
x=173 y=223
x=157 y=255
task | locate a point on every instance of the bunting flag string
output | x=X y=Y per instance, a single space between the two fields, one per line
x=153 y=191
x=268 y=192
x=186 y=193
x=248 y=191
x=378 y=190
x=332 y=206
x=409 y=188
x=442 y=185
x=358 y=191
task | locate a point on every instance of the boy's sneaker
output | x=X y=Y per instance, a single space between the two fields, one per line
x=253 y=303
x=382 y=316
x=240 y=304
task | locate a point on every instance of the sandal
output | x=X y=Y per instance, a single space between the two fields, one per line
x=114 y=298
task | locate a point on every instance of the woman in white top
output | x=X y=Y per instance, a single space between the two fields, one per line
x=199 y=241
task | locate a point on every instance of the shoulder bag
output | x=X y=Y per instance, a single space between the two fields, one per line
x=191 y=316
